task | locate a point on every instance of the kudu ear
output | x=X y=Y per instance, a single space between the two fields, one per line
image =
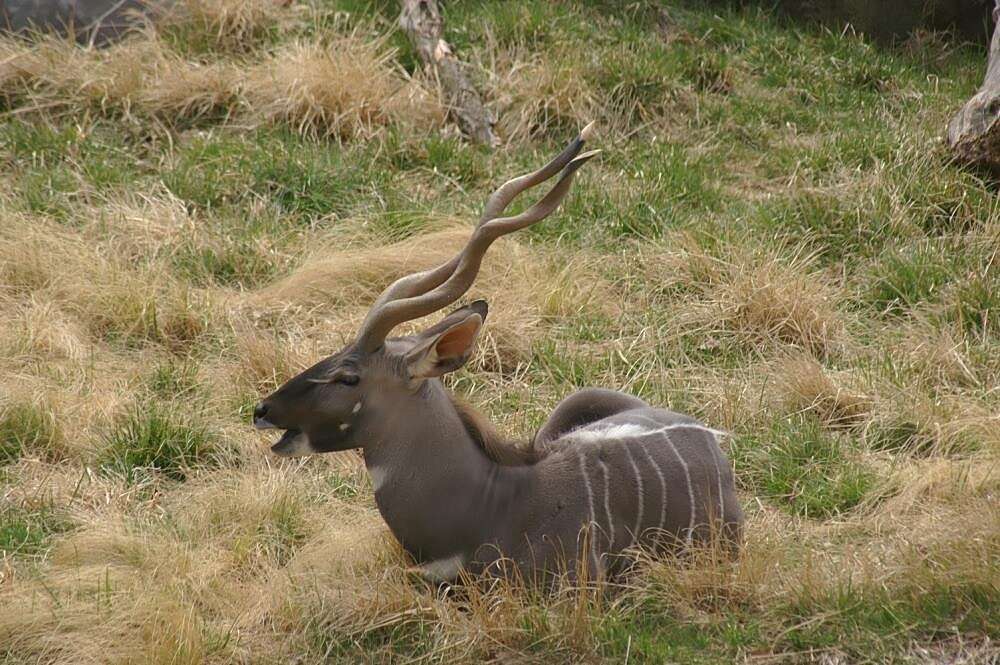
x=446 y=346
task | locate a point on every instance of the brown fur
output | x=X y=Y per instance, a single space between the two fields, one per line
x=493 y=445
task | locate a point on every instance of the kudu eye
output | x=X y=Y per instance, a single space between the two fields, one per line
x=346 y=379
x=340 y=377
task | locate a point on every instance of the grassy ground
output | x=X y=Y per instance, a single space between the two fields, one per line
x=774 y=240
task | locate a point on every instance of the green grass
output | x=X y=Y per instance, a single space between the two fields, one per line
x=282 y=530
x=236 y=262
x=346 y=486
x=173 y=379
x=26 y=429
x=862 y=622
x=406 y=640
x=976 y=305
x=800 y=468
x=27 y=528
x=905 y=280
x=158 y=439
x=651 y=637
x=833 y=228
x=59 y=165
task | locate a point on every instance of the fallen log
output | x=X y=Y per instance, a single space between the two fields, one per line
x=421 y=21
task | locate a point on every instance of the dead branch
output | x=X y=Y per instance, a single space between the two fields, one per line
x=421 y=21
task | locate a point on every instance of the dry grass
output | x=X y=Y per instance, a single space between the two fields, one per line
x=539 y=97
x=58 y=75
x=804 y=386
x=759 y=300
x=187 y=90
x=348 y=88
x=769 y=299
x=227 y=24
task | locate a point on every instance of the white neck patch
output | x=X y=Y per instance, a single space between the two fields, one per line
x=443 y=570
x=378 y=475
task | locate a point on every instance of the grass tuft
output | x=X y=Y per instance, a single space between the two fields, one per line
x=802 y=469
x=222 y=25
x=28 y=429
x=158 y=439
x=806 y=388
x=344 y=89
x=27 y=528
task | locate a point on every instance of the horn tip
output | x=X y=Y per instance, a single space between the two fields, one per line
x=579 y=159
x=587 y=132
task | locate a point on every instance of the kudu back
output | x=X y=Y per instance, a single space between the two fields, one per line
x=606 y=473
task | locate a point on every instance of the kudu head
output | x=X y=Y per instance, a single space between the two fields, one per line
x=326 y=407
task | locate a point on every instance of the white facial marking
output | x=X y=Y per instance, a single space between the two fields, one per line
x=378 y=475
x=344 y=427
x=443 y=570
x=357 y=407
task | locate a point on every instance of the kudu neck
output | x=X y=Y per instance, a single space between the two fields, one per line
x=438 y=490
x=427 y=428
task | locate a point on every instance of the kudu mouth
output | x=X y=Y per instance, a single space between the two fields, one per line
x=293 y=443
x=264 y=423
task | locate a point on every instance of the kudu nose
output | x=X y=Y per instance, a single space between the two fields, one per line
x=260 y=420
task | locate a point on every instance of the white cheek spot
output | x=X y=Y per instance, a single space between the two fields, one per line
x=344 y=427
x=357 y=407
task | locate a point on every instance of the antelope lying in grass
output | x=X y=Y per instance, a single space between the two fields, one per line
x=606 y=472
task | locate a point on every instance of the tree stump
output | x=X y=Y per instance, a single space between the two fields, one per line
x=421 y=21
x=974 y=133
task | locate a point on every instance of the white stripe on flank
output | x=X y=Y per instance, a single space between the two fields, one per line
x=663 y=485
x=667 y=428
x=641 y=496
x=687 y=477
x=718 y=478
x=607 y=505
x=590 y=500
x=687 y=473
